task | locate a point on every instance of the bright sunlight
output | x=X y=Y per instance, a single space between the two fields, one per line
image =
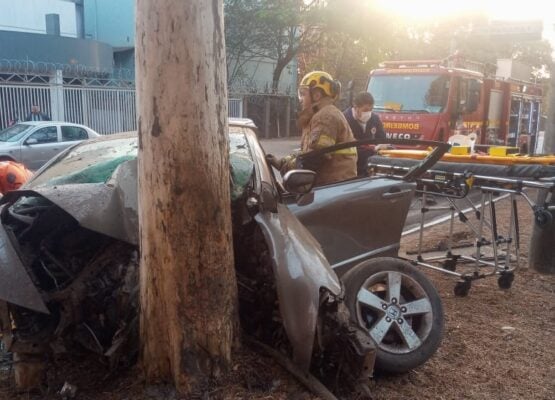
x=495 y=9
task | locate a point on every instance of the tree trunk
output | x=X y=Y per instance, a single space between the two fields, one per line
x=280 y=66
x=188 y=288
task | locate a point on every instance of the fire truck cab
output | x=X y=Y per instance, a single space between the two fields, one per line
x=436 y=99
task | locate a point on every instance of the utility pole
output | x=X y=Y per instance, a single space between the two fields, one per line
x=188 y=290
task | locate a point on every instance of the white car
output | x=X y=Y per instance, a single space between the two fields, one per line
x=33 y=143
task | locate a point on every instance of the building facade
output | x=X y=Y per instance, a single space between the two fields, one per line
x=46 y=60
x=112 y=22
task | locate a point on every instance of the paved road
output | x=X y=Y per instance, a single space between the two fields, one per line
x=280 y=147
x=414 y=215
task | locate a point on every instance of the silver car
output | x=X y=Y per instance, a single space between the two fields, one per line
x=34 y=143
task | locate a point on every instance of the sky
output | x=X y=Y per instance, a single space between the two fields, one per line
x=496 y=9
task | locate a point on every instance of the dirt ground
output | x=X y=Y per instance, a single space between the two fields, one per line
x=498 y=344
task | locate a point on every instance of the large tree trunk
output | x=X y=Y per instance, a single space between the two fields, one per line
x=188 y=288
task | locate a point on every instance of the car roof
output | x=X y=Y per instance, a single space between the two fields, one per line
x=242 y=122
x=39 y=123
x=234 y=122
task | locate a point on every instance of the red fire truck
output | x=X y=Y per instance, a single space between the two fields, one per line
x=435 y=99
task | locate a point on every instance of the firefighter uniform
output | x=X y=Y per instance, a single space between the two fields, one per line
x=324 y=125
x=12 y=176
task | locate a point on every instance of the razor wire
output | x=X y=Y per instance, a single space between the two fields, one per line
x=30 y=67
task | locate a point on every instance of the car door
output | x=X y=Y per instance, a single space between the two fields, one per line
x=301 y=270
x=40 y=146
x=357 y=220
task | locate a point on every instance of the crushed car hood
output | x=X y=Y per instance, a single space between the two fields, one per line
x=109 y=208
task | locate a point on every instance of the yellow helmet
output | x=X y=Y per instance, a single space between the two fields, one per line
x=322 y=80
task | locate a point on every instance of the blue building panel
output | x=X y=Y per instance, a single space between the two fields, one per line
x=50 y=49
x=111 y=21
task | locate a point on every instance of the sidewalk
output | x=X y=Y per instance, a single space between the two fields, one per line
x=282 y=146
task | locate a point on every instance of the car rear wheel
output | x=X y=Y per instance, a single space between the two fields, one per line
x=399 y=307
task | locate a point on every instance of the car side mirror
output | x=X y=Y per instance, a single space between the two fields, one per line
x=31 y=141
x=299 y=181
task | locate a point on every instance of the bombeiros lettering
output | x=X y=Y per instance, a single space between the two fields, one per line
x=413 y=126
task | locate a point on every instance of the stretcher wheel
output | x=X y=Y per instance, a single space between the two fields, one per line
x=451 y=263
x=505 y=280
x=543 y=217
x=462 y=288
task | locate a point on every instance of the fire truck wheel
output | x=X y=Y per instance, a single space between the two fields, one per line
x=399 y=307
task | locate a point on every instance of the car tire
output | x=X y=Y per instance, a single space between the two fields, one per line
x=400 y=309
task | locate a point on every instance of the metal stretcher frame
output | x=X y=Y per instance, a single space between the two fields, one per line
x=505 y=249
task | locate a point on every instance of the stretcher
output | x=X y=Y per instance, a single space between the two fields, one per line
x=494 y=253
x=509 y=159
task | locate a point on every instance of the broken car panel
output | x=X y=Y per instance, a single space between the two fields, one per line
x=72 y=233
x=73 y=237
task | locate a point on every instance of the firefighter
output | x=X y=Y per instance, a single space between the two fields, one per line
x=365 y=125
x=12 y=176
x=322 y=125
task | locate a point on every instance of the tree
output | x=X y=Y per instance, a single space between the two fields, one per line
x=188 y=290
x=239 y=28
x=439 y=38
x=274 y=30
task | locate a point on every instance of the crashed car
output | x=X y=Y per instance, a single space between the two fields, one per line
x=69 y=262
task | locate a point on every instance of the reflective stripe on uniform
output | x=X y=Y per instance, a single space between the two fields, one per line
x=324 y=141
x=349 y=151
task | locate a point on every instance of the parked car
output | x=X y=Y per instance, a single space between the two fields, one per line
x=70 y=244
x=34 y=143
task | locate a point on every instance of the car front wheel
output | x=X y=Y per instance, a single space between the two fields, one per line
x=399 y=307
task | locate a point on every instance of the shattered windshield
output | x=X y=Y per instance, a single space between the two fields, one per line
x=409 y=93
x=242 y=165
x=93 y=162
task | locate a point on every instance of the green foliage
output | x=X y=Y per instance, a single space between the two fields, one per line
x=275 y=30
x=348 y=38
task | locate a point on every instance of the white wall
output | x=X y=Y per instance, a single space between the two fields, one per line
x=29 y=16
x=259 y=72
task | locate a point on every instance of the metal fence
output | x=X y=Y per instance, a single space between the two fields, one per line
x=235 y=108
x=107 y=106
x=104 y=110
x=16 y=102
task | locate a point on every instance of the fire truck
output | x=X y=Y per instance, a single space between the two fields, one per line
x=436 y=99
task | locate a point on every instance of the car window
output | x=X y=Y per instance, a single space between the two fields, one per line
x=14 y=133
x=72 y=133
x=45 y=135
